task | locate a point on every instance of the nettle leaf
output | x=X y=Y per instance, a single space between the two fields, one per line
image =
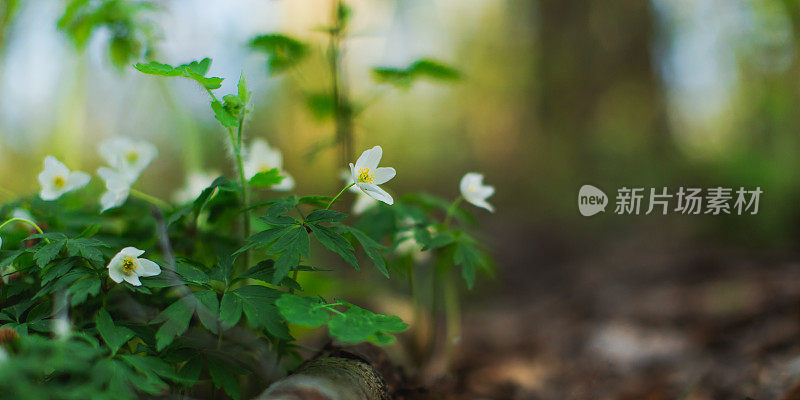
x=258 y=304
x=266 y=179
x=282 y=51
x=176 y=319
x=423 y=68
x=335 y=242
x=372 y=248
x=49 y=252
x=293 y=245
x=114 y=336
x=195 y=70
x=302 y=310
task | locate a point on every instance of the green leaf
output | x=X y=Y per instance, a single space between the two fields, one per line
x=423 y=68
x=244 y=95
x=266 y=179
x=86 y=248
x=223 y=115
x=176 y=317
x=318 y=216
x=258 y=304
x=191 y=274
x=321 y=105
x=467 y=257
x=294 y=244
x=372 y=248
x=302 y=310
x=336 y=243
x=230 y=310
x=318 y=201
x=224 y=379
x=114 y=336
x=80 y=290
x=358 y=325
x=208 y=309
x=194 y=70
x=282 y=51
x=265 y=271
x=49 y=252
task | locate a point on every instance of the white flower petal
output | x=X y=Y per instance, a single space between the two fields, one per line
x=131 y=251
x=383 y=175
x=77 y=180
x=286 y=184
x=147 y=268
x=133 y=279
x=481 y=203
x=55 y=167
x=363 y=202
x=369 y=159
x=376 y=193
x=48 y=194
x=116 y=274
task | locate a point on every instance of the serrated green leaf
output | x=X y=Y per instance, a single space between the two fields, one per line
x=80 y=290
x=258 y=305
x=114 y=336
x=335 y=242
x=176 y=317
x=208 y=310
x=372 y=248
x=224 y=379
x=302 y=310
x=223 y=115
x=468 y=259
x=49 y=252
x=318 y=216
x=86 y=248
x=230 y=310
x=194 y=70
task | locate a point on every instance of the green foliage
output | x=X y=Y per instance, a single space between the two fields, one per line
x=421 y=69
x=195 y=70
x=283 y=52
x=131 y=33
x=266 y=179
x=351 y=326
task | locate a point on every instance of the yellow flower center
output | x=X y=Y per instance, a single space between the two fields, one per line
x=264 y=168
x=59 y=182
x=365 y=176
x=471 y=188
x=128 y=266
x=132 y=156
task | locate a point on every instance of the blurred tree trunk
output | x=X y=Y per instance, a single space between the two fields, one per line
x=600 y=99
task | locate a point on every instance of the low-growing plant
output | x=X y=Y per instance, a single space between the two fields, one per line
x=149 y=296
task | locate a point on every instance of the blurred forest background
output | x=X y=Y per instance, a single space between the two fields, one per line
x=554 y=94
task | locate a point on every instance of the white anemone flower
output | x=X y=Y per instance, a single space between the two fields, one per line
x=56 y=179
x=118 y=187
x=475 y=192
x=195 y=184
x=363 y=201
x=126 y=265
x=128 y=156
x=367 y=175
x=261 y=158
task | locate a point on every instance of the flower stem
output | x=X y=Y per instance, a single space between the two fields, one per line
x=452 y=308
x=452 y=209
x=31 y=223
x=237 y=145
x=151 y=199
x=333 y=200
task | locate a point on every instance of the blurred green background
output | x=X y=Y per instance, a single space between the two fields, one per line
x=553 y=95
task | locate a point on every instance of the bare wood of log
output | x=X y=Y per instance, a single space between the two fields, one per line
x=333 y=375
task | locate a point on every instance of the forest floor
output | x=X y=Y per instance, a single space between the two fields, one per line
x=640 y=318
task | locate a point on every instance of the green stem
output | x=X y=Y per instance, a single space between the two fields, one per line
x=151 y=199
x=337 y=196
x=31 y=223
x=342 y=108
x=451 y=210
x=452 y=317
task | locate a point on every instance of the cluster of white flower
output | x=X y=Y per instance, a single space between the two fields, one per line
x=127 y=158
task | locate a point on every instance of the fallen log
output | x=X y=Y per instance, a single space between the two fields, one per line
x=336 y=374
